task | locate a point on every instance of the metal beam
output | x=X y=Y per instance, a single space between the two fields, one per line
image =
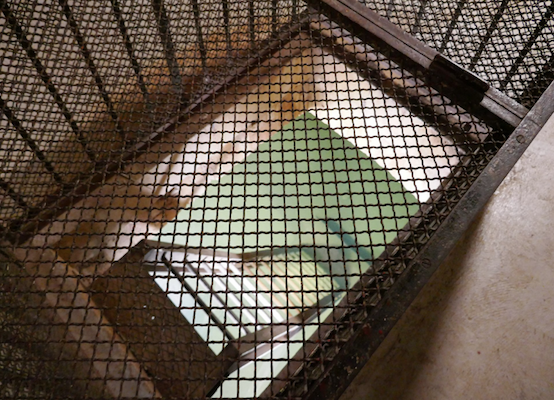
x=30 y=142
x=368 y=320
x=494 y=106
x=116 y=8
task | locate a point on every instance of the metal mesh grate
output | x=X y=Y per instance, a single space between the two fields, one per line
x=507 y=42
x=213 y=198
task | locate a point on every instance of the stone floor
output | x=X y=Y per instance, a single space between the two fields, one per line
x=483 y=327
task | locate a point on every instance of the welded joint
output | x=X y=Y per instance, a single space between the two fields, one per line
x=454 y=80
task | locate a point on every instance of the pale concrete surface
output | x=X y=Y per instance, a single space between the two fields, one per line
x=483 y=328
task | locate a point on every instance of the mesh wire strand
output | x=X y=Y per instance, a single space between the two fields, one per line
x=205 y=198
x=508 y=43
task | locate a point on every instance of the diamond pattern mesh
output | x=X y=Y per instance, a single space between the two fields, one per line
x=205 y=198
x=508 y=43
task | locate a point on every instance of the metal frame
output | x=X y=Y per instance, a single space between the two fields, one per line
x=367 y=324
x=364 y=318
x=359 y=331
x=491 y=104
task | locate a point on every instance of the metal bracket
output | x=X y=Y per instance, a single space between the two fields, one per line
x=455 y=81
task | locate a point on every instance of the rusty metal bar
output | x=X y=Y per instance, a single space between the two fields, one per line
x=169 y=47
x=199 y=34
x=274 y=6
x=220 y=324
x=116 y=8
x=536 y=85
x=85 y=52
x=30 y=142
x=200 y=251
x=250 y=341
x=453 y=22
x=485 y=39
x=13 y=195
x=225 y=7
x=528 y=45
x=250 y=347
x=420 y=13
x=251 y=24
x=216 y=295
x=44 y=76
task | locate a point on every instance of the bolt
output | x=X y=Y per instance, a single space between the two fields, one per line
x=426 y=263
x=520 y=139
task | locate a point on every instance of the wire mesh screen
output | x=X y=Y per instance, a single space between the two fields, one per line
x=204 y=199
x=506 y=42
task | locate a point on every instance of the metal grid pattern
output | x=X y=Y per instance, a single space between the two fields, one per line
x=209 y=199
x=507 y=42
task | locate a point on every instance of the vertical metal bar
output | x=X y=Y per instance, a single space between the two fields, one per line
x=528 y=45
x=169 y=47
x=452 y=24
x=116 y=8
x=485 y=40
x=44 y=76
x=251 y=24
x=91 y=65
x=538 y=84
x=13 y=195
x=420 y=12
x=274 y=6
x=30 y=142
x=198 y=26
x=226 y=23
